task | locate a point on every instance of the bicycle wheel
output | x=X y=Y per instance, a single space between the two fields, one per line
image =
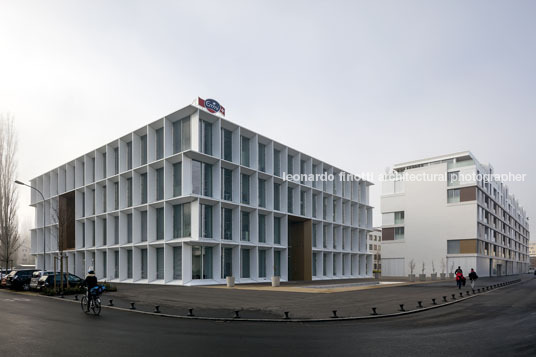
x=83 y=303
x=96 y=306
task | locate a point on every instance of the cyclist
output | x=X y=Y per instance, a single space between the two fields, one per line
x=91 y=282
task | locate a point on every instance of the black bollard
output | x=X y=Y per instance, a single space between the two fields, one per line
x=433 y=302
x=334 y=314
x=461 y=294
x=374 y=311
x=156 y=309
x=401 y=307
x=478 y=290
x=76 y=297
x=444 y=299
x=420 y=304
x=286 y=315
x=453 y=297
x=111 y=303
x=467 y=293
x=237 y=314
x=132 y=307
x=190 y=312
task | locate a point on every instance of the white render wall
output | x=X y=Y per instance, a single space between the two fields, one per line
x=345 y=247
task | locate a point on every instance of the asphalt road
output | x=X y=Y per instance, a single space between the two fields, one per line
x=500 y=323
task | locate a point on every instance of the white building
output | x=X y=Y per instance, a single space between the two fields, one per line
x=442 y=214
x=374 y=242
x=193 y=198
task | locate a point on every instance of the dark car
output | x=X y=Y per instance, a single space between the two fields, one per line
x=36 y=276
x=47 y=281
x=19 y=279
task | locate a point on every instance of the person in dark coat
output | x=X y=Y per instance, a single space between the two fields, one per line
x=473 y=277
x=91 y=282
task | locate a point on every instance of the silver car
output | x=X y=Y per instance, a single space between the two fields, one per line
x=35 y=278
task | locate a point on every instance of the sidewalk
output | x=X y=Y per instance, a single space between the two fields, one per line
x=267 y=302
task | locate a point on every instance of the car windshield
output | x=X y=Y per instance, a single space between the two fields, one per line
x=12 y=273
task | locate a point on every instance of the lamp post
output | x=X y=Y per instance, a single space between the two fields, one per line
x=44 y=229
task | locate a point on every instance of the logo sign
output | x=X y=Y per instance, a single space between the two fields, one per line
x=211 y=105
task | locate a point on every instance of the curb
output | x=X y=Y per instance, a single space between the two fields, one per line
x=494 y=287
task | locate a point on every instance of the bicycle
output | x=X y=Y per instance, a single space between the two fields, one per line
x=93 y=299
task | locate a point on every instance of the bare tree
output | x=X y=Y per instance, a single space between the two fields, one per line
x=411 y=265
x=10 y=240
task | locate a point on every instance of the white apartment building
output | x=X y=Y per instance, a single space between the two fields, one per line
x=192 y=198
x=461 y=220
x=374 y=242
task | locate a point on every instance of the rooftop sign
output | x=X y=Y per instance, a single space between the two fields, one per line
x=211 y=105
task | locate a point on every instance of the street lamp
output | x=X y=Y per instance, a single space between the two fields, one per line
x=44 y=229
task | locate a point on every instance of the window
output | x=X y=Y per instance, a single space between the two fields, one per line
x=104 y=165
x=453 y=196
x=277 y=263
x=324 y=264
x=129 y=228
x=116 y=264
x=245 y=188
x=84 y=204
x=181 y=220
x=202 y=178
x=290 y=205
x=144 y=263
x=159 y=143
x=262 y=193
x=177 y=179
x=399 y=217
x=324 y=207
x=453 y=247
x=453 y=178
x=262 y=263
x=325 y=236
x=277 y=162
x=116 y=161
x=227 y=223
x=227 y=184
x=245 y=226
x=262 y=157
x=143 y=225
x=205 y=219
x=143 y=144
x=104 y=208
x=244 y=151
x=290 y=165
x=177 y=263
x=262 y=228
x=277 y=196
x=399 y=233
x=334 y=266
x=226 y=262
x=104 y=235
x=201 y=262
x=129 y=155
x=315 y=198
x=104 y=265
x=160 y=263
x=205 y=137
x=129 y=192
x=143 y=179
x=315 y=232
x=302 y=203
x=160 y=184
x=129 y=264
x=245 y=264
x=314 y=263
x=227 y=144
x=277 y=230
x=181 y=135
x=116 y=229
x=302 y=171
x=160 y=223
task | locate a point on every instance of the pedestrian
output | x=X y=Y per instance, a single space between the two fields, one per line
x=459 y=270
x=473 y=277
x=459 y=279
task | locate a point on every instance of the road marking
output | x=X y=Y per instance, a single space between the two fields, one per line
x=16 y=299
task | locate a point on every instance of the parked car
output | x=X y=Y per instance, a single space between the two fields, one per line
x=47 y=281
x=36 y=276
x=19 y=279
x=3 y=276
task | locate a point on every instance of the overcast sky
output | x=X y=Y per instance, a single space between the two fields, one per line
x=362 y=85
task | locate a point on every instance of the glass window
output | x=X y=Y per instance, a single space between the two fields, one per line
x=399 y=233
x=129 y=192
x=277 y=162
x=262 y=228
x=181 y=135
x=143 y=144
x=324 y=207
x=104 y=165
x=244 y=151
x=177 y=179
x=290 y=197
x=315 y=229
x=227 y=223
x=205 y=137
x=262 y=263
x=129 y=228
x=227 y=184
x=453 y=178
x=116 y=161
x=129 y=155
x=245 y=188
x=314 y=263
x=181 y=220
x=290 y=165
x=207 y=262
x=129 y=264
x=160 y=184
x=116 y=264
x=277 y=196
x=262 y=157
x=177 y=263
x=277 y=230
x=399 y=217
x=104 y=267
x=144 y=263
x=262 y=193
x=227 y=144
x=201 y=178
x=159 y=143
x=325 y=236
x=160 y=223
x=206 y=221
x=226 y=262
x=116 y=229
x=245 y=226
x=245 y=263
x=302 y=171
x=104 y=232
x=196 y=262
x=302 y=203
x=143 y=179
x=277 y=263
x=143 y=225
x=315 y=197
x=159 y=263
x=453 y=196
